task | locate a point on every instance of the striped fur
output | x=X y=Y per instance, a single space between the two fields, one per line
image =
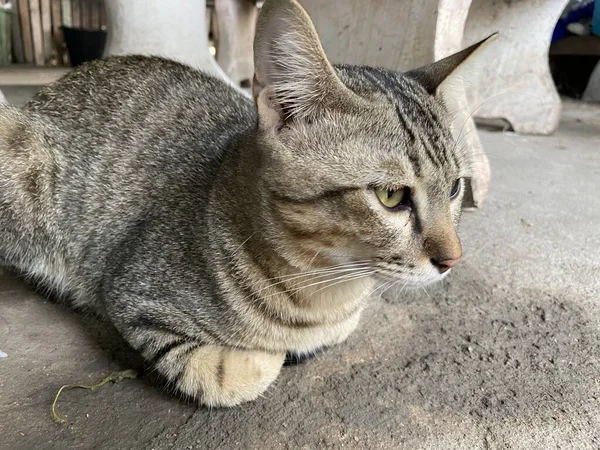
x=215 y=234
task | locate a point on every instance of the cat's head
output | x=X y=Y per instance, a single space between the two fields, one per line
x=360 y=163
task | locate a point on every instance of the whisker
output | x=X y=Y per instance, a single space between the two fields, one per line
x=327 y=270
x=386 y=283
x=315 y=275
x=487 y=101
x=491 y=156
x=314 y=257
x=242 y=244
x=293 y=290
x=394 y=283
x=341 y=277
x=363 y=275
x=426 y=293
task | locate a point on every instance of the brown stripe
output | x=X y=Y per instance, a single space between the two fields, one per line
x=325 y=195
x=221 y=369
x=258 y=303
x=166 y=349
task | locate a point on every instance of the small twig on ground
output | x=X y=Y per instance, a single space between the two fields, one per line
x=112 y=378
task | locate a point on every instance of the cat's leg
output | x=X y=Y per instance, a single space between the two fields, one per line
x=219 y=376
x=191 y=359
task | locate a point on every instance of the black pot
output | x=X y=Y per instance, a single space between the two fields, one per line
x=84 y=45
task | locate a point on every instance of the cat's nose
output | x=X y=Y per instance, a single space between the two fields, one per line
x=445 y=264
x=442 y=244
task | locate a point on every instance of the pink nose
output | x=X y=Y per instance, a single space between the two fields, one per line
x=446 y=264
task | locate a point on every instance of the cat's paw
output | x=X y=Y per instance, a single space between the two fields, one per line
x=221 y=376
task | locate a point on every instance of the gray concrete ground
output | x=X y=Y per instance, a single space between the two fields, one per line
x=505 y=354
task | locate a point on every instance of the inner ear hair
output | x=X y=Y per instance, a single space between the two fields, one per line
x=290 y=65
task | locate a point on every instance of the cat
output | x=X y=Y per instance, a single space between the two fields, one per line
x=218 y=234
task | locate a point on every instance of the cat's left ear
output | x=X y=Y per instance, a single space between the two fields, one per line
x=433 y=75
x=293 y=79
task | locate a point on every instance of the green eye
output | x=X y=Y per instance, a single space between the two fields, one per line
x=455 y=189
x=392 y=198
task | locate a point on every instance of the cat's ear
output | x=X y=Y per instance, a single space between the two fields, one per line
x=293 y=79
x=433 y=75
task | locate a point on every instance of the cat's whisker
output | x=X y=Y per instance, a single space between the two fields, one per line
x=461 y=139
x=363 y=275
x=288 y=277
x=314 y=257
x=472 y=157
x=243 y=243
x=297 y=288
x=338 y=266
x=487 y=101
x=394 y=283
x=294 y=290
x=385 y=283
x=426 y=293
x=404 y=286
x=315 y=275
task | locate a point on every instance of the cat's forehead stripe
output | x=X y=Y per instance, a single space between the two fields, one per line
x=388 y=87
x=413 y=116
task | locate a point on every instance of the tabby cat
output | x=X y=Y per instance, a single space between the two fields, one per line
x=218 y=234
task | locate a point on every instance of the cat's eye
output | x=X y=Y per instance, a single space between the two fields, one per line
x=455 y=189
x=393 y=198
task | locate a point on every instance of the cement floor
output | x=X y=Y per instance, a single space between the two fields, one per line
x=505 y=354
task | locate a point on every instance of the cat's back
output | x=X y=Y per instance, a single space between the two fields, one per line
x=129 y=100
x=120 y=84
x=131 y=143
x=136 y=124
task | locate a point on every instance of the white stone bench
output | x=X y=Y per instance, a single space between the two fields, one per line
x=516 y=84
x=175 y=30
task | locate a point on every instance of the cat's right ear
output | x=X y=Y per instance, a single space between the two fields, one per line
x=293 y=80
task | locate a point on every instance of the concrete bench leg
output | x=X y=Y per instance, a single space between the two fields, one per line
x=175 y=30
x=518 y=86
x=592 y=91
x=236 y=24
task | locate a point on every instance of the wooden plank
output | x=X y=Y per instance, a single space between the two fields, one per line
x=95 y=21
x=67 y=18
x=56 y=16
x=17 y=38
x=58 y=47
x=36 y=32
x=26 y=30
x=46 y=28
x=76 y=13
x=102 y=15
x=85 y=14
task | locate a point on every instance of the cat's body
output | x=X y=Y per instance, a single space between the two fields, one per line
x=217 y=239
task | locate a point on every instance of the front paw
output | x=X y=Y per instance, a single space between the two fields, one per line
x=222 y=376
